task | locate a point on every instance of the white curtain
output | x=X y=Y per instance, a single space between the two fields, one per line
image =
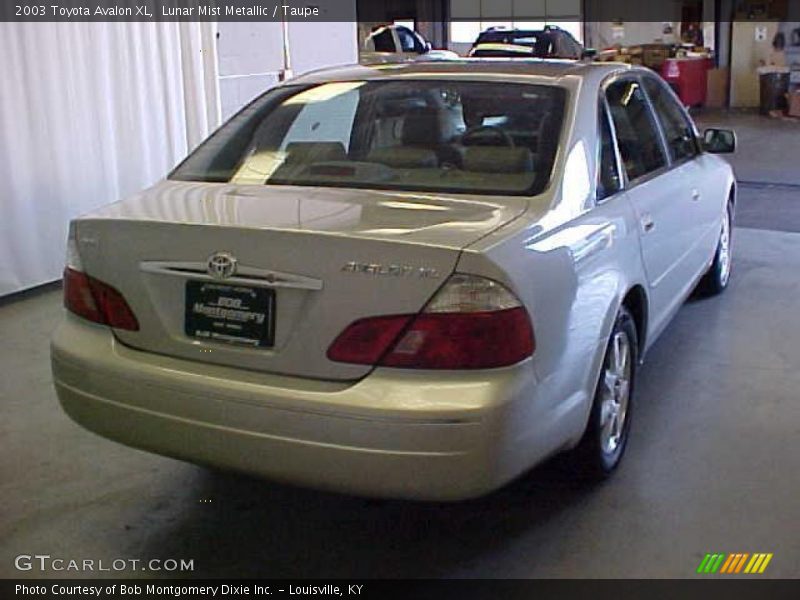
x=89 y=113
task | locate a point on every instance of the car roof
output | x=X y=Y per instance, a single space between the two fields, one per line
x=548 y=71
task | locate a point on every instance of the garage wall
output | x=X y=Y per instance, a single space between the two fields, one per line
x=604 y=34
x=252 y=54
x=250 y=59
x=602 y=15
x=90 y=113
x=748 y=53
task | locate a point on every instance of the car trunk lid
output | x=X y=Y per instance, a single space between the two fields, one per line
x=309 y=261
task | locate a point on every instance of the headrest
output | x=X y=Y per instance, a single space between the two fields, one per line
x=491 y=159
x=421 y=128
x=311 y=152
x=403 y=157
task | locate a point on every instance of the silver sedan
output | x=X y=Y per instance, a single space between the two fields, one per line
x=413 y=280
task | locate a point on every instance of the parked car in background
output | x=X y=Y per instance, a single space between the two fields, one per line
x=414 y=282
x=550 y=42
x=395 y=43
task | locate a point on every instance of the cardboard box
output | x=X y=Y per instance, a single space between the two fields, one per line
x=717 y=92
x=655 y=56
x=794 y=103
x=650 y=55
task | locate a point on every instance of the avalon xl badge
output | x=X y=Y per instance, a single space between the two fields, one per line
x=380 y=270
x=221 y=265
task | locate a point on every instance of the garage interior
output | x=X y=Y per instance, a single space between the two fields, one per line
x=714 y=458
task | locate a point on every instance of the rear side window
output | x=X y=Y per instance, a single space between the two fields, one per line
x=384 y=42
x=678 y=130
x=408 y=42
x=637 y=134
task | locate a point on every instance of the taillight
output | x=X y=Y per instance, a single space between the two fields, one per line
x=366 y=340
x=471 y=323
x=97 y=301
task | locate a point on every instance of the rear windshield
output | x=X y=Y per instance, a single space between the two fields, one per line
x=465 y=137
x=520 y=38
x=501 y=51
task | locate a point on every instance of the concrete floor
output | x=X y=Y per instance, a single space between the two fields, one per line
x=712 y=467
x=768 y=149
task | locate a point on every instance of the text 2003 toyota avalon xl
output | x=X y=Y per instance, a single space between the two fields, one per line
x=412 y=281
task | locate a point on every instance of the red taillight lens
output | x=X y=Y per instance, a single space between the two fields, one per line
x=366 y=340
x=476 y=340
x=472 y=322
x=96 y=301
x=78 y=296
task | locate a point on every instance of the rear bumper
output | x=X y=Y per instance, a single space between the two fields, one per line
x=402 y=434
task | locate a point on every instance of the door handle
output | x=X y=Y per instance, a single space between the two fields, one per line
x=695 y=195
x=648 y=224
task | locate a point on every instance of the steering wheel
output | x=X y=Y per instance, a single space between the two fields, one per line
x=485 y=132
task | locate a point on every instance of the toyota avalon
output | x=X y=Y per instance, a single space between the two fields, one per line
x=412 y=281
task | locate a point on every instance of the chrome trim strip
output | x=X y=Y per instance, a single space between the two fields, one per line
x=244 y=275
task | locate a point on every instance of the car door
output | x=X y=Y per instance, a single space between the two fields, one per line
x=698 y=187
x=653 y=189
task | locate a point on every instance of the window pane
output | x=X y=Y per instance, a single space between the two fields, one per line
x=466 y=137
x=464 y=32
x=406 y=23
x=406 y=40
x=677 y=128
x=637 y=134
x=529 y=25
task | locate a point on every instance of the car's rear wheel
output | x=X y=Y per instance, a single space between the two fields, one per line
x=716 y=280
x=606 y=437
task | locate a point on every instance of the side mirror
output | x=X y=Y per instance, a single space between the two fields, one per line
x=719 y=141
x=428 y=47
x=588 y=54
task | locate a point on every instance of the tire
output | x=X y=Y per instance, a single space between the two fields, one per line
x=603 y=444
x=718 y=276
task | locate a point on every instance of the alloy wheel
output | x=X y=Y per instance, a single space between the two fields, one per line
x=616 y=393
x=725 y=250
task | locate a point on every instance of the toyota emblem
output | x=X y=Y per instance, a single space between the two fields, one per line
x=221 y=265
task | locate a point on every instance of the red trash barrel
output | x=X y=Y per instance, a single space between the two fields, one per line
x=688 y=77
